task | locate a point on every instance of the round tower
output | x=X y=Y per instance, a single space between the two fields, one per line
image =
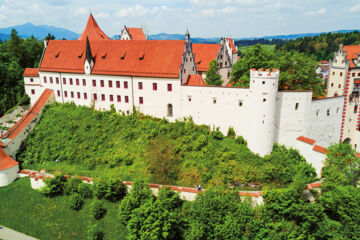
x=262 y=114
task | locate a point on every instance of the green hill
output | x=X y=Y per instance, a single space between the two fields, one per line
x=79 y=140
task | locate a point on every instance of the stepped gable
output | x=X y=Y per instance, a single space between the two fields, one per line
x=204 y=54
x=352 y=52
x=136 y=33
x=29 y=115
x=195 y=80
x=6 y=161
x=31 y=72
x=93 y=31
x=147 y=58
x=233 y=48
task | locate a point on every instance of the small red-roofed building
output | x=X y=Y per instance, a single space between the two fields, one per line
x=132 y=34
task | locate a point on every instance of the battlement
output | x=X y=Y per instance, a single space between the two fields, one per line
x=264 y=73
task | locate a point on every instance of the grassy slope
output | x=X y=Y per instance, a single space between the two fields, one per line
x=28 y=211
x=265 y=46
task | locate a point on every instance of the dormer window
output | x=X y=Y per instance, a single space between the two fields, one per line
x=141 y=56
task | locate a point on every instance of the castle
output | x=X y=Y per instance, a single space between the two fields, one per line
x=164 y=79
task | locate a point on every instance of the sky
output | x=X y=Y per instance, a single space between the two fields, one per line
x=203 y=18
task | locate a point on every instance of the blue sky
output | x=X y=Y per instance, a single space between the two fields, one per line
x=204 y=18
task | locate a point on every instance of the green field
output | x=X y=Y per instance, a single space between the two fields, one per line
x=28 y=211
x=266 y=47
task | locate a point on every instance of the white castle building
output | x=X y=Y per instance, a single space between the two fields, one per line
x=164 y=78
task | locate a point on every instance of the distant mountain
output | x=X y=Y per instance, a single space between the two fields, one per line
x=39 y=31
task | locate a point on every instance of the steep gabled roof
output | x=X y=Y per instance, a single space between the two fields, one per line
x=136 y=33
x=233 y=48
x=93 y=31
x=204 y=54
x=6 y=161
x=351 y=53
x=195 y=80
x=152 y=58
x=31 y=72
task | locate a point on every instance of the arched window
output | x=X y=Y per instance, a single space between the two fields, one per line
x=169 y=110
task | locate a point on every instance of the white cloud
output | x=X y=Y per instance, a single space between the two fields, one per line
x=136 y=11
x=102 y=15
x=355 y=8
x=211 y=12
x=321 y=11
x=81 y=11
x=35 y=7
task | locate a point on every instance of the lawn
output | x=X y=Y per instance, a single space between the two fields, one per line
x=28 y=211
x=266 y=47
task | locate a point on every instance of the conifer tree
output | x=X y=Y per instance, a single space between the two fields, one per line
x=212 y=76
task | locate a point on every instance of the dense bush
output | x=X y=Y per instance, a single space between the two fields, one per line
x=94 y=232
x=122 y=143
x=85 y=190
x=71 y=185
x=25 y=100
x=111 y=189
x=76 y=201
x=97 y=209
x=54 y=186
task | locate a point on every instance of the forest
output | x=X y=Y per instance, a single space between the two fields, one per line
x=137 y=146
x=16 y=54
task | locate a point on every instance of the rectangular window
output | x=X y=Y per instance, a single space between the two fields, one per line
x=111 y=98
x=140 y=85
x=44 y=79
x=94 y=83
x=155 y=86
x=51 y=80
x=118 y=98
x=65 y=93
x=77 y=82
x=58 y=93
x=72 y=94
x=110 y=84
x=31 y=80
x=78 y=95
x=125 y=84
x=117 y=84
x=32 y=91
x=95 y=96
x=102 y=83
x=57 y=80
x=85 y=95
x=64 y=81
x=84 y=82
x=126 y=99
x=141 y=100
x=169 y=86
x=102 y=97
x=71 y=81
x=353 y=74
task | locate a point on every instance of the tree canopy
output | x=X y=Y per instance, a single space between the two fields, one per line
x=212 y=75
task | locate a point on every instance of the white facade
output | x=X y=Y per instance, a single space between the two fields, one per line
x=261 y=114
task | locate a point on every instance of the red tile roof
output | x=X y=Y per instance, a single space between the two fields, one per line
x=28 y=116
x=357 y=81
x=204 y=54
x=351 y=53
x=160 y=58
x=319 y=149
x=232 y=45
x=314 y=185
x=195 y=80
x=6 y=161
x=31 y=72
x=306 y=140
x=93 y=31
x=136 y=33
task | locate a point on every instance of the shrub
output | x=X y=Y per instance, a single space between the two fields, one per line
x=231 y=132
x=97 y=209
x=25 y=100
x=201 y=142
x=71 y=185
x=217 y=134
x=85 y=190
x=54 y=186
x=110 y=189
x=75 y=201
x=94 y=233
x=240 y=140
